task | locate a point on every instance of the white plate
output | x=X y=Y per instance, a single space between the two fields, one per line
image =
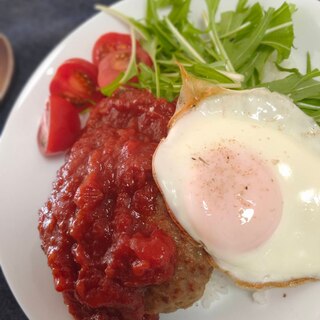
x=26 y=177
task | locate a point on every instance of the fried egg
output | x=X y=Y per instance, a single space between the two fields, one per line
x=239 y=172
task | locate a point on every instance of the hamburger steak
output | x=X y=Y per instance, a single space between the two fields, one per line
x=113 y=249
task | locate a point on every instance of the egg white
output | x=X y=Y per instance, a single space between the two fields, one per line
x=270 y=125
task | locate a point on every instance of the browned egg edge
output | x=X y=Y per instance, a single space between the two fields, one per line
x=192 y=92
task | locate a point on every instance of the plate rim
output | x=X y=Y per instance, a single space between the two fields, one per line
x=34 y=78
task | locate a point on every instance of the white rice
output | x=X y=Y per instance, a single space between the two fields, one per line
x=220 y=285
x=217 y=286
x=260 y=297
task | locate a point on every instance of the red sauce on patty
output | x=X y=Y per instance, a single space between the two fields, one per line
x=96 y=227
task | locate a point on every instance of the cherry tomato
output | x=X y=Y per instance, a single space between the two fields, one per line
x=76 y=82
x=111 y=66
x=114 y=61
x=60 y=126
x=142 y=56
x=110 y=42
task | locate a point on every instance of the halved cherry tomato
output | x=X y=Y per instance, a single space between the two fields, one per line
x=59 y=127
x=110 y=42
x=112 y=54
x=116 y=62
x=111 y=66
x=76 y=82
x=113 y=41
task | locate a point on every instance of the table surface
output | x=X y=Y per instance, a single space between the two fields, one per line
x=34 y=28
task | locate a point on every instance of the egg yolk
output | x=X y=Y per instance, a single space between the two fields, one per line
x=233 y=198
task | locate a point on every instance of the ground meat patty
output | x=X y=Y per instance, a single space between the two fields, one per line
x=114 y=251
x=192 y=271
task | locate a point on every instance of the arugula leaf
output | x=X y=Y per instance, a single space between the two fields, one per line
x=130 y=72
x=184 y=44
x=179 y=12
x=213 y=34
x=151 y=12
x=280 y=32
x=151 y=47
x=209 y=73
x=309 y=67
x=304 y=90
x=231 y=50
x=168 y=86
x=242 y=5
x=234 y=25
x=253 y=70
x=244 y=50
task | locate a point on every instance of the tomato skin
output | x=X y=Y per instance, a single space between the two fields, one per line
x=143 y=56
x=113 y=41
x=111 y=66
x=59 y=128
x=112 y=54
x=76 y=82
x=110 y=42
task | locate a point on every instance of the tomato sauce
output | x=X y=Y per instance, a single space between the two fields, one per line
x=96 y=227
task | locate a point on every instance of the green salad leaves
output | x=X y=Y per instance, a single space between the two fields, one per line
x=231 y=50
